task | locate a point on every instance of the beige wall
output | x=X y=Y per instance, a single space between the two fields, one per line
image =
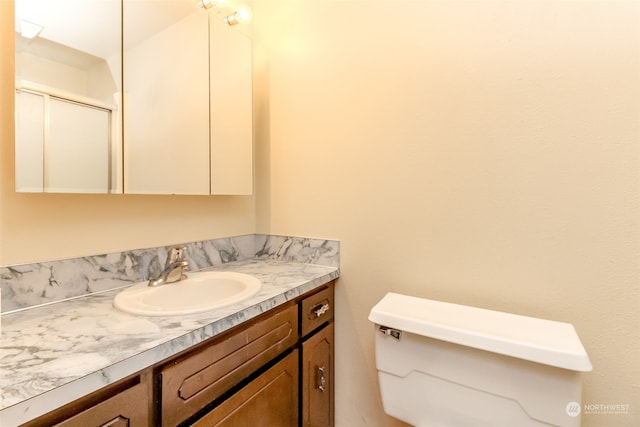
x=485 y=153
x=37 y=227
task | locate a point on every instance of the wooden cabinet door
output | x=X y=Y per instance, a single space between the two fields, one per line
x=271 y=400
x=317 y=379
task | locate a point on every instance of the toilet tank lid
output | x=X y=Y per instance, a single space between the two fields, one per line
x=537 y=340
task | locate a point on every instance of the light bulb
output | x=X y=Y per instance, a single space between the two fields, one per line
x=209 y=4
x=243 y=14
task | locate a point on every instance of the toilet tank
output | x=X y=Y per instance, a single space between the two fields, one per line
x=442 y=364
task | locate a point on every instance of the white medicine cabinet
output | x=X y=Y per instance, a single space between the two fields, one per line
x=131 y=96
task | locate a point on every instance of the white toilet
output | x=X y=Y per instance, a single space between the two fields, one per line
x=449 y=365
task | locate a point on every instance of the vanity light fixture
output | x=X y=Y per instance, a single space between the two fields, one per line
x=243 y=14
x=210 y=4
x=230 y=15
x=29 y=30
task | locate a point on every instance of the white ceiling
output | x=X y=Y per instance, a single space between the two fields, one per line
x=93 y=26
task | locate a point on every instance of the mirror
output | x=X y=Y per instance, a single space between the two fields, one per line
x=166 y=85
x=133 y=96
x=188 y=100
x=68 y=96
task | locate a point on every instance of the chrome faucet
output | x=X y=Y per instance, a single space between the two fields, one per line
x=173 y=269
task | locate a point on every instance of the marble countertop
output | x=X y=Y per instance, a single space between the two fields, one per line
x=54 y=354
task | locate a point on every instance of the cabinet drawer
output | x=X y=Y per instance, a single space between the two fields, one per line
x=195 y=380
x=316 y=310
x=124 y=403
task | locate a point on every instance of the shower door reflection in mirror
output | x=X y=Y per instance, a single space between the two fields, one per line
x=68 y=96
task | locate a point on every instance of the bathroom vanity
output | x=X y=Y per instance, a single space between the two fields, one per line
x=264 y=361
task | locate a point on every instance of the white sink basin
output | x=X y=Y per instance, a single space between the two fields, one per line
x=199 y=292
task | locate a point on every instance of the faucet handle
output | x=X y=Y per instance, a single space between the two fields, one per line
x=176 y=254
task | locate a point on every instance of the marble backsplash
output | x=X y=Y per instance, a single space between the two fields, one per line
x=28 y=285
